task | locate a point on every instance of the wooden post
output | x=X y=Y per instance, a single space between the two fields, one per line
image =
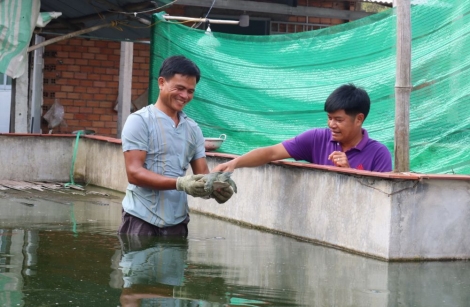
x=125 y=84
x=19 y=104
x=403 y=87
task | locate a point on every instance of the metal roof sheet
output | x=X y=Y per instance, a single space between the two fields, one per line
x=82 y=14
x=380 y=1
x=389 y=2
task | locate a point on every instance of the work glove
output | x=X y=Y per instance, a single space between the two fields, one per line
x=220 y=185
x=192 y=186
x=222 y=195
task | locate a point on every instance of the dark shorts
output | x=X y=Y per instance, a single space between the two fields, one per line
x=132 y=225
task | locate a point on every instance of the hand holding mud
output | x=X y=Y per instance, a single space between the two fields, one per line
x=222 y=195
x=192 y=185
x=220 y=186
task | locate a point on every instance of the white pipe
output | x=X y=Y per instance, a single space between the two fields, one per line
x=213 y=21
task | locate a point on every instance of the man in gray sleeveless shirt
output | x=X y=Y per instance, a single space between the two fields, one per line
x=160 y=142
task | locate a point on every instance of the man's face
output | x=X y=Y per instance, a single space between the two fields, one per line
x=177 y=91
x=344 y=128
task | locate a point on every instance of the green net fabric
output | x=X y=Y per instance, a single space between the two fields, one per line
x=261 y=90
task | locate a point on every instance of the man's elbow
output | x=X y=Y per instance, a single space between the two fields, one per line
x=132 y=177
x=132 y=181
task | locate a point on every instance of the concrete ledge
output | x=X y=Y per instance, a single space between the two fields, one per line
x=388 y=216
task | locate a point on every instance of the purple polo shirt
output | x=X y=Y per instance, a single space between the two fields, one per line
x=316 y=145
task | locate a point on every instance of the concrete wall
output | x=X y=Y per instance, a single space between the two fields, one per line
x=431 y=221
x=330 y=277
x=102 y=164
x=394 y=216
x=36 y=158
x=327 y=207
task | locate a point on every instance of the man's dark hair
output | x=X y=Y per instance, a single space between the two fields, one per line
x=353 y=100
x=179 y=64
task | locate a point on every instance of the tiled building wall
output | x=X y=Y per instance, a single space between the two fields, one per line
x=83 y=76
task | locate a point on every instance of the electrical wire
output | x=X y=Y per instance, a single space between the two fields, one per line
x=210 y=8
x=143 y=12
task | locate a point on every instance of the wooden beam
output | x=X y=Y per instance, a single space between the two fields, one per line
x=403 y=87
x=273 y=8
x=70 y=35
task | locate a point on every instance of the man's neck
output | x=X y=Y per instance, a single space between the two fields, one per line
x=172 y=114
x=353 y=143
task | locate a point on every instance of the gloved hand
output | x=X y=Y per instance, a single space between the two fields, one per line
x=192 y=186
x=222 y=195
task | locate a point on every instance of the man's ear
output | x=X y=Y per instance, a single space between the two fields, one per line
x=360 y=118
x=161 y=81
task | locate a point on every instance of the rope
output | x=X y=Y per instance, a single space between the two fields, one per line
x=74 y=157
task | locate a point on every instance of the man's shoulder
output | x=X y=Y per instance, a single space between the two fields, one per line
x=376 y=145
x=311 y=135
x=143 y=112
x=137 y=119
x=138 y=116
x=318 y=132
x=377 y=150
x=190 y=121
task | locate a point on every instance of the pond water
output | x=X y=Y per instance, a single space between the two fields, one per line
x=61 y=249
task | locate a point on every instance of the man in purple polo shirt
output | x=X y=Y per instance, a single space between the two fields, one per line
x=343 y=144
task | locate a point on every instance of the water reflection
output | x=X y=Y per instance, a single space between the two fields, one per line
x=154 y=273
x=11 y=258
x=67 y=253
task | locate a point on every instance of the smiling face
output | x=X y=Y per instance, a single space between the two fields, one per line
x=345 y=129
x=175 y=93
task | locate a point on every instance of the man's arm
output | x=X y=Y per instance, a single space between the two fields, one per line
x=138 y=175
x=135 y=137
x=256 y=157
x=199 y=166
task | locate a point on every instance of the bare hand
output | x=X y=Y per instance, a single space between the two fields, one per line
x=339 y=159
x=224 y=167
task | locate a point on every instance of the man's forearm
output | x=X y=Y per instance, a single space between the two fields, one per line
x=253 y=158
x=145 y=178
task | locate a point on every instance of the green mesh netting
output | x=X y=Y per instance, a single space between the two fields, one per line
x=261 y=90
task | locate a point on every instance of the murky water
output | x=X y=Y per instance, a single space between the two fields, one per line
x=61 y=250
